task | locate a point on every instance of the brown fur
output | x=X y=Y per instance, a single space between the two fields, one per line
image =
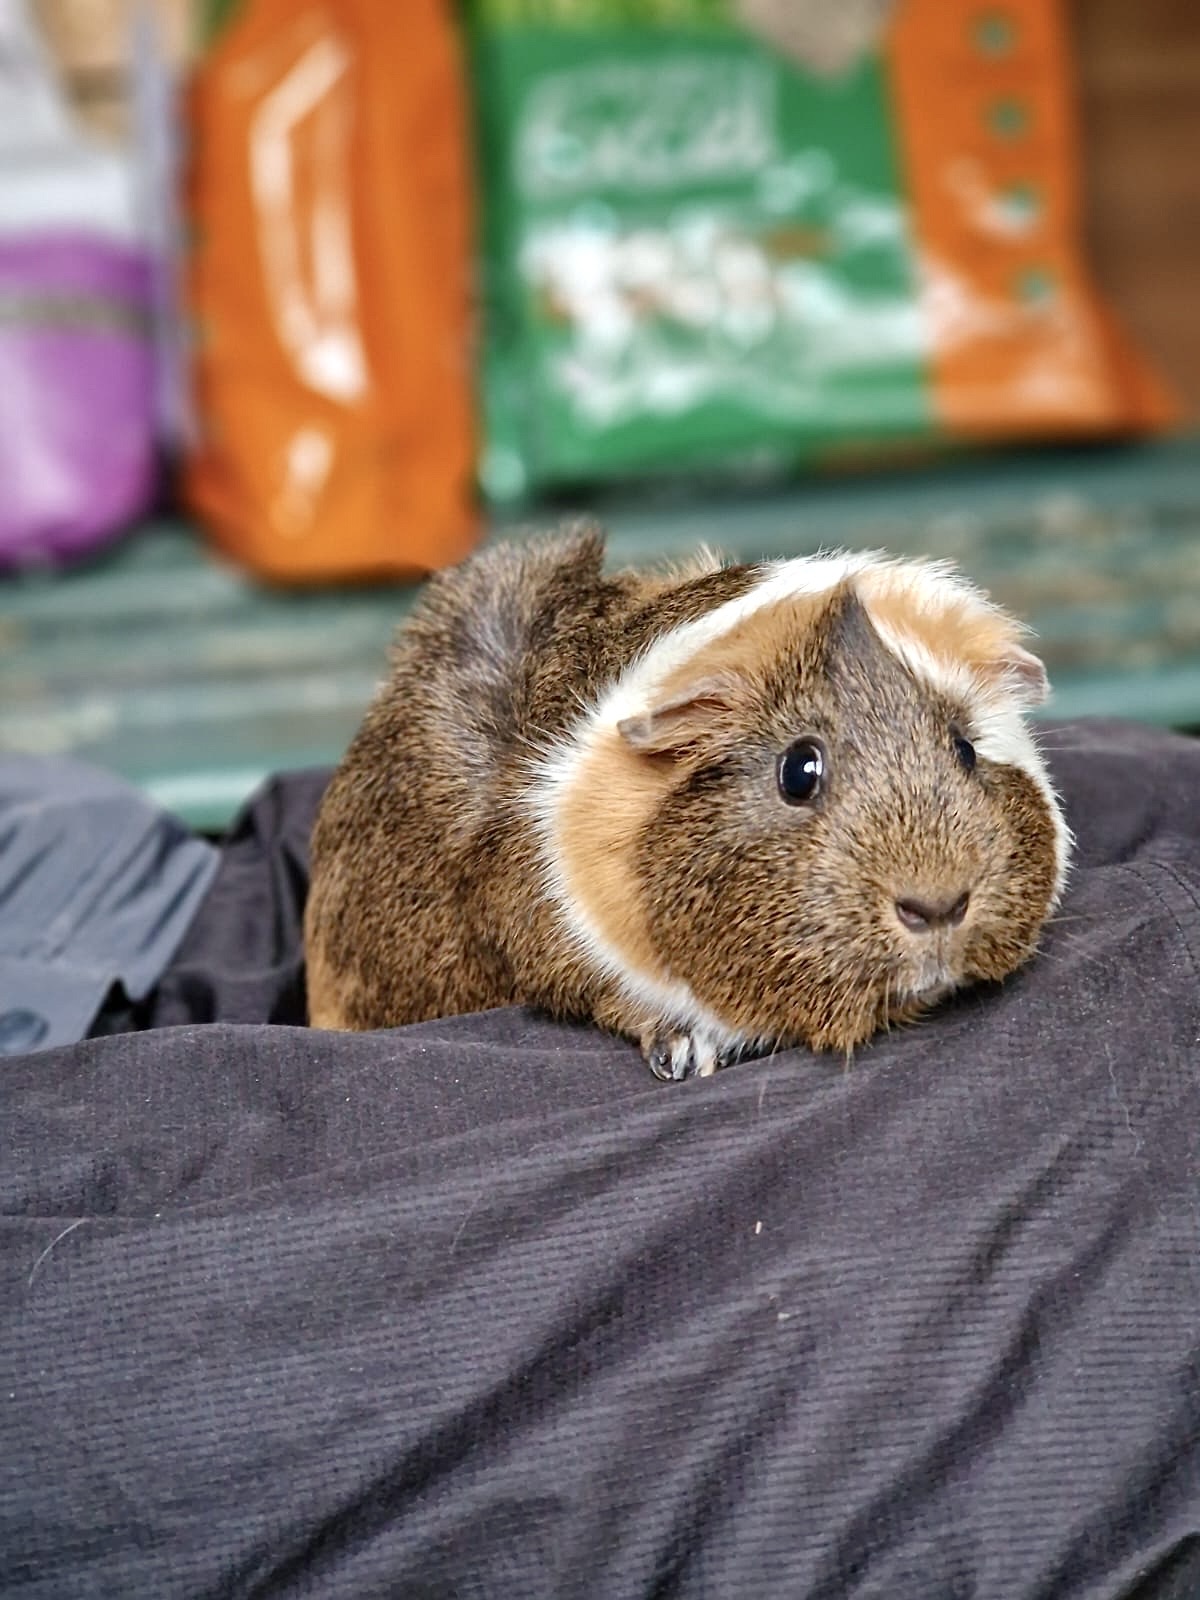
x=428 y=893
x=424 y=867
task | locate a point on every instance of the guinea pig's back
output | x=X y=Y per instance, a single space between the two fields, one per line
x=427 y=857
x=469 y=670
x=410 y=822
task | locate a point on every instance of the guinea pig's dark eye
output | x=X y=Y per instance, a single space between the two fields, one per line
x=965 y=751
x=801 y=768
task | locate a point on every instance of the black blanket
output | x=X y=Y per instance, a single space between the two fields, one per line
x=478 y=1308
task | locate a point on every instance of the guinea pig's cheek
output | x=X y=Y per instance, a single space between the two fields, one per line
x=1031 y=862
x=1014 y=896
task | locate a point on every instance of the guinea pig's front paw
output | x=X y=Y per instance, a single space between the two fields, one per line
x=672 y=1055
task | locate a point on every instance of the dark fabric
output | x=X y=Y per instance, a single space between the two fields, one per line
x=479 y=1309
x=241 y=961
x=97 y=887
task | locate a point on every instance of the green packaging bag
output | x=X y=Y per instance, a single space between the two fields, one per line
x=702 y=241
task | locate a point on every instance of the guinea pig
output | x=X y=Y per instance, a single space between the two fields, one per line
x=718 y=809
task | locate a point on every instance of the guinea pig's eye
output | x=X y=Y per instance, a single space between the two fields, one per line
x=801 y=768
x=965 y=751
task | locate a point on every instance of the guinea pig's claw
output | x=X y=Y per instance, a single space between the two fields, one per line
x=658 y=1059
x=672 y=1057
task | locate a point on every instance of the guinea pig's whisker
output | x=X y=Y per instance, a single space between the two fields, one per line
x=887 y=1003
x=1072 y=938
x=1060 y=738
x=1073 y=947
x=1059 y=919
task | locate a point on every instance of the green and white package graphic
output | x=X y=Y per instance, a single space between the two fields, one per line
x=702 y=239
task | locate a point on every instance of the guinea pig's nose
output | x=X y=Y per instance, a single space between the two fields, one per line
x=922 y=916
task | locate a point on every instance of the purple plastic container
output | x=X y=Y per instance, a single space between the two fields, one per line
x=78 y=460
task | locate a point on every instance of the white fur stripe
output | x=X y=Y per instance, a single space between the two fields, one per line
x=776 y=581
x=669 y=1002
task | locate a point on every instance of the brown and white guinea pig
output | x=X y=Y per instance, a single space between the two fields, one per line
x=717 y=809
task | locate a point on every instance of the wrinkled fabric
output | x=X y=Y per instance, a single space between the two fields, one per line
x=241 y=958
x=97 y=887
x=477 y=1308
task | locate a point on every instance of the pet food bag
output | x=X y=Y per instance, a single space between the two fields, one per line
x=328 y=288
x=774 y=230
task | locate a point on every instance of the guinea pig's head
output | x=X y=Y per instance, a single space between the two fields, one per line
x=824 y=815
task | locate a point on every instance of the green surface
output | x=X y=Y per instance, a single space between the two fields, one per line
x=164 y=665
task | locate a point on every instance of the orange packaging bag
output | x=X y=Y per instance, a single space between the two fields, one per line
x=328 y=287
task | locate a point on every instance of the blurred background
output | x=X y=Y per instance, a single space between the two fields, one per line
x=303 y=299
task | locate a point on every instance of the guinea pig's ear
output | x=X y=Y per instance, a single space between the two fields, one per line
x=1021 y=673
x=687 y=715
